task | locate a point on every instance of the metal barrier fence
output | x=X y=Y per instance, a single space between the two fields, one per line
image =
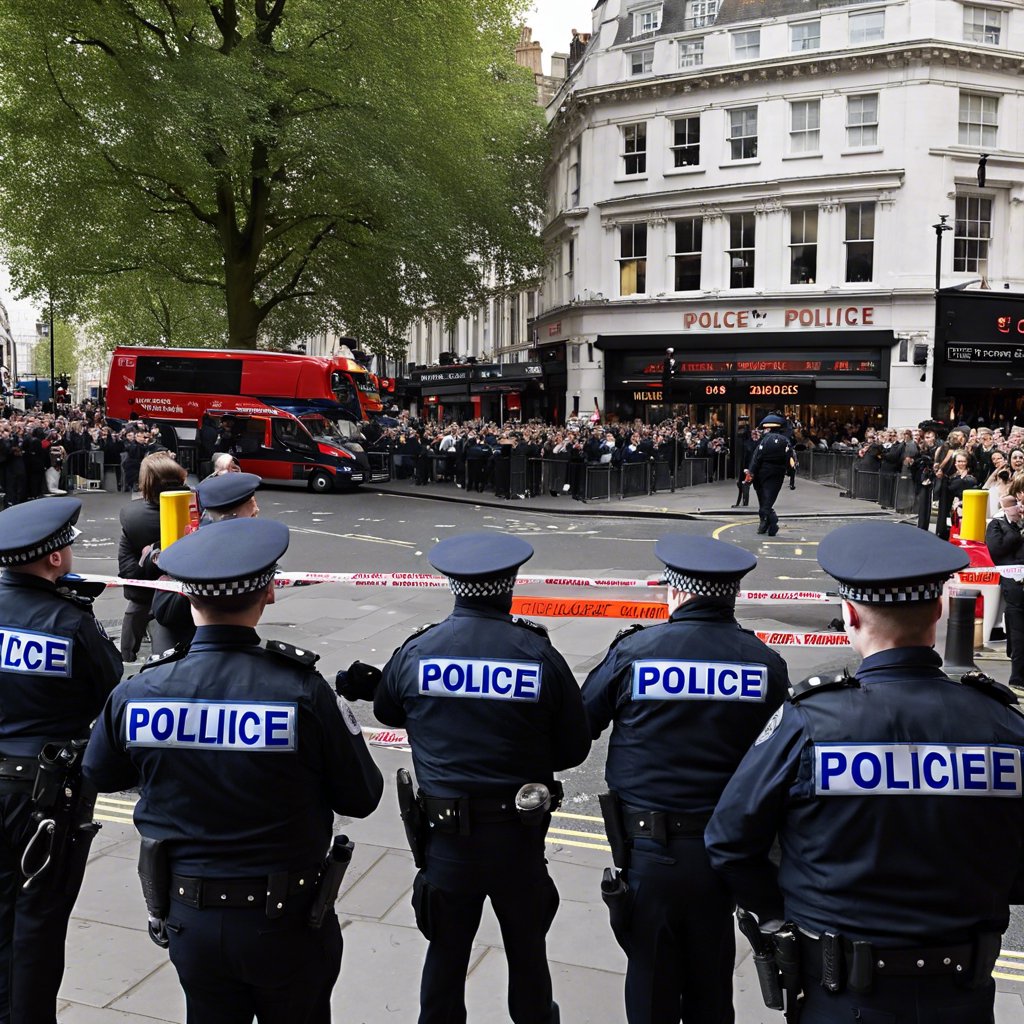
x=82 y=471
x=889 y=490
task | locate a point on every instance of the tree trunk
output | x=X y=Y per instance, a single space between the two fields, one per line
x=243 y=314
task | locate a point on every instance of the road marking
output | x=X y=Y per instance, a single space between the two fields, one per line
x=719 y=530
x=793 y=543
x=578 y=817
x=604 y=847
x=355 y=536
x=1010 y=952
x=594 y=836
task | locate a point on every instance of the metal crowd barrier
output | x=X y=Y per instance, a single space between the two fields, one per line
x=83 y=471
x=888 y=490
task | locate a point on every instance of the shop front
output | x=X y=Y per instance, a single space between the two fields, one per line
x=512 y=391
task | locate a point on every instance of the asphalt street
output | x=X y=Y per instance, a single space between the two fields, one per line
x=373 y=532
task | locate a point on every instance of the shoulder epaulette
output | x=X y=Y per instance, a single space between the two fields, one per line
x=990 y=687
x=307 y=659
x=172 y=654
x=530 y=624
x=419 y=632
x=623 y=633
x=819 y=684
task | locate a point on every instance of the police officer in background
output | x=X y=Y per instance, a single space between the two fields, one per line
x=242 y=754
x=490 y=706
x=57 y=669
x=685 y=700
x=767 y=469
x=897 y=800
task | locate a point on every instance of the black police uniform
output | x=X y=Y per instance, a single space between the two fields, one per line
x=56 y=669
x=685 y=699
x=768 y=467
x=1005 y=542
x=243 y=755
x=896 y=798
x=489 y=705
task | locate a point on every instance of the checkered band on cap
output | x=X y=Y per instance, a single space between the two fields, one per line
x=701 y=587
x=54 y=543
x=495 y=586
x=924 y=591
x=228 y=588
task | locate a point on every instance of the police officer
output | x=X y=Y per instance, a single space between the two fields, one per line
x=767 y=469
x=56 y=668
x=489 y=706
x=227 y=496
x=685 y=700
x=896 y=797
x=242 y=753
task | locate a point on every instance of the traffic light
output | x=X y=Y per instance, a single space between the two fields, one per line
x=668 y=369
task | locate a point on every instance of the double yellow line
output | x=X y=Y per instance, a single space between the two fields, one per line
x=111 y=808
x=1009 y=961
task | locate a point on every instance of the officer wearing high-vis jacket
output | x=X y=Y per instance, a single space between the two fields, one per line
x=492 y=711
x=685 y=700
x=896 y=796
x=242 y=755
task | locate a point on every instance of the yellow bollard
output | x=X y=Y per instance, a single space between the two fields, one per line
x=972 y=522
x=174 y=516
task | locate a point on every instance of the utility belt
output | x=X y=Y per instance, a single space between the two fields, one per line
x=661 y=826
x=18 y=774
x=275 y=892
x=458 y=815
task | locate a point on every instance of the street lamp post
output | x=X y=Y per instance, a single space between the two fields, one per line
x=53 y=376
x=940 y=229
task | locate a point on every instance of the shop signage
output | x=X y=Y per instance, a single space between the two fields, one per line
x=986 y=354
x=851 y=366
x=747 y=391
x=981 y=326
x=795 y=317
x=441 y=376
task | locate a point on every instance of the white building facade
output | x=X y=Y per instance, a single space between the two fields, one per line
x=754 y=183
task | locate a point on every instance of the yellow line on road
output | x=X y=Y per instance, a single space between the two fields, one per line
x=1010 y=952
x=583 y=846
x=1007 y=977
x=719 y=530
x=355 y=536
x=598 y=836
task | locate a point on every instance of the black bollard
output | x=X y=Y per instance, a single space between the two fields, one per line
x=960 y=633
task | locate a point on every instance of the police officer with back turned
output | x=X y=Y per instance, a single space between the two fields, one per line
x=896 y=796
x=243 y=755
x=492 y=711
x=685 y=700
x=56 y=670
x=767 y=469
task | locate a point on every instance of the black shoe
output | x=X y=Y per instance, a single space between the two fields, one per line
x=763 y=528
x=746 y=503
x=792 y=487
x=772 y=530
x=735 y=504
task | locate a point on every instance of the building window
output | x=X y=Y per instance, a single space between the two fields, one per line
x=743 y=133
x=971 y=235
x=700 y=13
x=634 y=148
x=982 y=25
x=686 y=141
x=860 y=241
x=746 y=45
x=805 y=125
x=803 y=245
x=574 y=175
x=641 y=62
x=691 y=53
x=689 y=238
x=862 y=121
x=805 y=36
x=978 y=119
x=867 y=28
x=570 y=262
x=741 y=250
x=646 y=21
x=633 y=259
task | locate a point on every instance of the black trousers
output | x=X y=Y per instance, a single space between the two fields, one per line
x=924 y=505
x=33 y=921
x=935 y=1000
x=1014 y=618
x=680 y=941
x=236 y=964
x=767 y=486
x=503 y=862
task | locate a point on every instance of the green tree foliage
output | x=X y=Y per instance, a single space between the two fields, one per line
x=286 y=165
x=65 y=352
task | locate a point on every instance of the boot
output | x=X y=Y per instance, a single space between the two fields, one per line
x=763 y=526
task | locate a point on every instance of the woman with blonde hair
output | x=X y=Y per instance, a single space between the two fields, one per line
x=140 y=533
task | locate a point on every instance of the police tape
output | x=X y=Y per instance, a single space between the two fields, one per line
x=396 y=739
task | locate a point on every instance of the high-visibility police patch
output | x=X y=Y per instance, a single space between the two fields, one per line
x=770 y=726
x=916 y=769
x=480 y=678
x=349 y=717
x=37 y=654
x=698 y=680
x=210 y=725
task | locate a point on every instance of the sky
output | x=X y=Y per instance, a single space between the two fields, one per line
x=552 y=22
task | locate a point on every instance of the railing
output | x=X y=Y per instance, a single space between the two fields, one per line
x=894 y=491
x=82 y=471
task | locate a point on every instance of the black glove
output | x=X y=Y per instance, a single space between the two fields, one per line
x=357 y=682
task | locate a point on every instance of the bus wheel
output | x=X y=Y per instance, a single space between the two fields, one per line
x=320 y=482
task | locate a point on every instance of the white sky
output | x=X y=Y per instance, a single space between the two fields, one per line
x=552 y=22
x=23 y=316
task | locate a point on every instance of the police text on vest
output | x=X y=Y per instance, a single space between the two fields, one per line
x=698 y=680
x=477 y=677
x=209 y=725
x=916 y=769
x=38 y=654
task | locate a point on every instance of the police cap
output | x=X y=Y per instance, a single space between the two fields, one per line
x=773 y=421
x=228 y=490
x=237 y=556
x=480 y=564
x=35 y=528
x=703 y=566
x=886 y=563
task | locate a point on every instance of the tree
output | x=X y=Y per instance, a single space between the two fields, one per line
x=298 y=163
x=65 y=352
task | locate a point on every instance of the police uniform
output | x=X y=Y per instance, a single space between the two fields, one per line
x=489 y=706
x=685 y=699
x=768 y=467
x=56 y=669
x=897 y=800
x=222 y=494
x=243 y=755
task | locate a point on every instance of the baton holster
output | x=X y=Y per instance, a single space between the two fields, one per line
x=412 y=817
x=155 y=876
x=615 y=829
x=787 y=958
x=335 y=866
x=618 y=899
x=764 y=959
